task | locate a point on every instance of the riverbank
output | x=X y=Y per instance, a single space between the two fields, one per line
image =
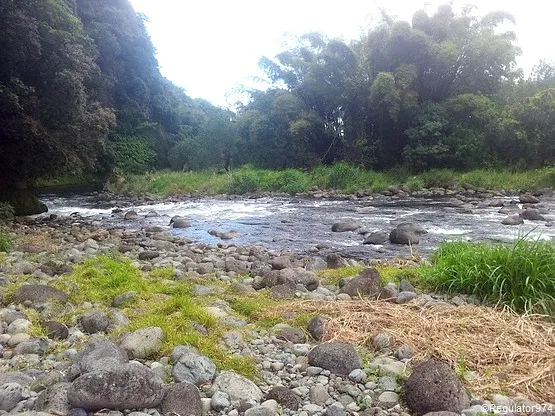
x=246 y=325
x=340 y=177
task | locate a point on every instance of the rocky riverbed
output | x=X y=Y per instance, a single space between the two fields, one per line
x=69 y=349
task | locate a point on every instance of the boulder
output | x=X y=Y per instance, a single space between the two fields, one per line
x=433 y=386
x=409 y=226
x=10 y=395
x=143 y=342
x=335 y=261
x=280 y=263
x=513 y=220
x=54 y=400
x=339 y=358
x=367 y=283
x=192 y=367
x=180 y=222
x=316 y=263
x=290 y=334
x=55 y=330
x=37 y=294
x=237 y=387
x=316 y=327
x=148 y=255
x=94 y=322
x=308 y=279
x=532 y=215
x=344 y=226
x=403 y=236
x=101 y=354
x=284 y=396
x=131 y=215
x=376 y=238
x=181 y=399
x=130 y=386
x=23 y=202
x=528 y=199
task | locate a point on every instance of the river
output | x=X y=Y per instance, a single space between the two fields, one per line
x=299 y=224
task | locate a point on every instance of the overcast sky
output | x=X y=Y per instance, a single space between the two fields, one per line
x=211 y=47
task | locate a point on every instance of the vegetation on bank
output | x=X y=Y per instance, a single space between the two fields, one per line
x=519 y=275
x=341 y=177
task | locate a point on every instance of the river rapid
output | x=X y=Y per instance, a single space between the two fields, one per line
x=302 y=224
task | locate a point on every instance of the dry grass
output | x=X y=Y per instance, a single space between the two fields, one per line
x=511 y=354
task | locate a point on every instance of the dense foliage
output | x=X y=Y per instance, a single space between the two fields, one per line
x=81 y=92
x=442 y=91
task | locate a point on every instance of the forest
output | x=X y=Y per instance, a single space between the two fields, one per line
x=81 y=92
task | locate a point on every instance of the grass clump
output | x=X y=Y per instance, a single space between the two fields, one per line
x=520 y=275
x=333 y=276
x=6 y=242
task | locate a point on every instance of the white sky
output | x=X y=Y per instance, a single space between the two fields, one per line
x=212 y=47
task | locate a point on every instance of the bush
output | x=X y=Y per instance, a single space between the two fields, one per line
x=439 y=178
x=244 y=181
x=291 y=181
x=520 y=275
x=5 y=242
x=7 y=211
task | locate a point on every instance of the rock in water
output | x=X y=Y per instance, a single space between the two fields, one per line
x=339 y=358
x=343 y=226
x=402 y=236
x=433 y=386
x=130 y=386
x=513 y=220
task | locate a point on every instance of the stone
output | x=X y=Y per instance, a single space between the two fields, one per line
x=143 y=342
x=148 y=255
x=37 y=346
x=54 y=400
x=192 y=367
x=181 y=399
x=237 y=387
x=284 y=396
x=339 y=358
x=367 y=283
x=403 y=237
x=283 y=291
x=335 y=261
x=409 y=226
x=260 y=411
x=17 y=377
x=94 y=322
x=308 y=279
x=280 y=263
x=405 y=297
x=19 y=326
x=130 y=386
x=388 y=399
x=357 y=376
x=532 y=215
x=317 y=326
x=382 y=341
x=376 y=238
x=8 y=316
x=294 y=335
x=130 y=215
x=528 y=199
x=344 y=226
x=10 y=395
x=38 y=294
x=55 y=330
x=336 y=409
x=180 y=223
x=513 y=220
x=404 y=352
x=433 y=386
x=316 y=263
x=318 y=394
x=101 y=354
x=219 y=401
x=406 y=286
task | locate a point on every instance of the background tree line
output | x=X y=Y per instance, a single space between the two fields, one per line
x=81 y=91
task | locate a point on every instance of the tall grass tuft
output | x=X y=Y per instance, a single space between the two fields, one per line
x=520 y=275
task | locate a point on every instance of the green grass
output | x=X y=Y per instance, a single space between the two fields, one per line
x=6 y=242
x=341 y=176
x=520 y=275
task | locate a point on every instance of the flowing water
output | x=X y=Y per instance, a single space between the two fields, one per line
x=301 y=224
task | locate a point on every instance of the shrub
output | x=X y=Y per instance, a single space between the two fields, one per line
x=244 y=181
x=7 y=211
x=5 y=242
x=520 y=275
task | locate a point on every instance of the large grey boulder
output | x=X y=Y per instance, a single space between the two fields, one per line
x=433 y=386
x=237 y=387
x=99 y=355
x=281 y=262
x=181 y=399
x=532 y=215
x=37 y=294
x=375 y=238
x=528 y=199
x=143 y=342
x=335 y=261
x=130 y=386
x=317 y=326
x=339 y=358
x=367 y=283
x=412 y=227
x=192 y=367
x=513 y=220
